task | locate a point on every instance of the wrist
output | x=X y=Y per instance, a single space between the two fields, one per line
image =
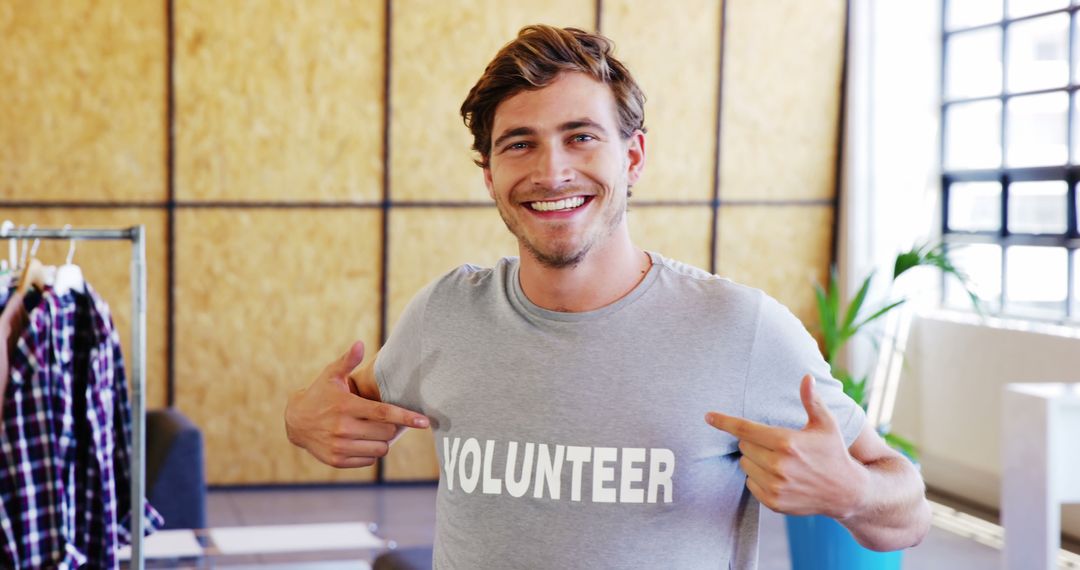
x=857 y=495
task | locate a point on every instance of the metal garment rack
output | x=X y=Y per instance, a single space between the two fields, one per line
x=137 y=236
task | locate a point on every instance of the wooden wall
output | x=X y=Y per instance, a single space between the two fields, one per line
x=257 y=143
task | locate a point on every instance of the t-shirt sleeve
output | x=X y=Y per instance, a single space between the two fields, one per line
x=782 y=353
x=397 y=366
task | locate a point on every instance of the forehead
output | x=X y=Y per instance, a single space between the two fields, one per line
x=570 y=96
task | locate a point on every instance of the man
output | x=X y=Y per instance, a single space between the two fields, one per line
x=595 y=405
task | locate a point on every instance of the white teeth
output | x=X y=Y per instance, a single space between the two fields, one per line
x=556 y=205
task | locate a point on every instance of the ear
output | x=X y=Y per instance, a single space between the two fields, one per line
x=489 y=182
x=635 y=154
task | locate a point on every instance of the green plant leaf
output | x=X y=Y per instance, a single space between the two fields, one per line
x=880 y=312
x=936 y=256
x=854 y=388
x=858 y=392
x=908 y=259
x=834 y=293
x=856 y=304
x=827 y=317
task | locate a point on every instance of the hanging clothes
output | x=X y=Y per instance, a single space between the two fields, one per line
x=66 y=440
x=10 y=329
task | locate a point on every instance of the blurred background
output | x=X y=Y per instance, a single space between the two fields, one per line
x=302 y=170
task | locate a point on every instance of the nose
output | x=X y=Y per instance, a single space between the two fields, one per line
x=551 y=167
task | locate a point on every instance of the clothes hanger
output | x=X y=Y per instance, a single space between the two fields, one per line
x=33 y=272
x=7 y=268
x=8 y=264
x=69 y=277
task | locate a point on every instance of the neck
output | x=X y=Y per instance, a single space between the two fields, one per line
x=608 y=273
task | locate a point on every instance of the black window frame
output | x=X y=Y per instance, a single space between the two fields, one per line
x=1005 y=175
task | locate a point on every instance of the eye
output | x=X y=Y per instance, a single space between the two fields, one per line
x=520 y=145
x=582 y=138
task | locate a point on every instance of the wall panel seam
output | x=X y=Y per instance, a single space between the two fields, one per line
x=380 y=467
x=170 y=203
x=841 y=126
x=714 y=229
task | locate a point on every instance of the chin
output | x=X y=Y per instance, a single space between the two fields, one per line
x=559 y=258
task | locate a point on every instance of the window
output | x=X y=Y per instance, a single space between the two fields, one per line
x=1011 y=153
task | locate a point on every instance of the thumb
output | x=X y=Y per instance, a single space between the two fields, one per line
x=817 y=412
x=348 y=361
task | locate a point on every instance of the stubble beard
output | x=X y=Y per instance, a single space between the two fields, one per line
x=561 y=258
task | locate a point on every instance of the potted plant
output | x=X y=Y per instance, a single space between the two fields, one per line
x=819 y=541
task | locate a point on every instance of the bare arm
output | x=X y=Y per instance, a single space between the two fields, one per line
x=869 y=488
x=340 y=419
x=892 y=512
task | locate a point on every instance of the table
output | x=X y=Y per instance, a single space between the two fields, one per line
x=1040 y=469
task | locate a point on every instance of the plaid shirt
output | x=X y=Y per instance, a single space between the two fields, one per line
x=66 y=440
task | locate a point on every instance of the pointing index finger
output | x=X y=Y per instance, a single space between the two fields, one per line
x=766 y=436
x=382 y=412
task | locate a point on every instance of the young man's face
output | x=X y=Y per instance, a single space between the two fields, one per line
x=559 y=171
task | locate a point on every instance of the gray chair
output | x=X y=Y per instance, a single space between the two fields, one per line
x=175 y=475
x=404 y=559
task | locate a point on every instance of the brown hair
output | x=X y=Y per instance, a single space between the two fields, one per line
x=532 y=61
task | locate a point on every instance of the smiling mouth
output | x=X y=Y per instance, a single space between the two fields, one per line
x=562 y=205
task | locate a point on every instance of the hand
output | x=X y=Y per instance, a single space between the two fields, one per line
x=339 y=427
x=799 y=472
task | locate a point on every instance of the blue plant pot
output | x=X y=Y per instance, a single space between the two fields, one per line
x=820 y=543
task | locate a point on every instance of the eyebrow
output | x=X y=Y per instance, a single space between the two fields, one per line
x=567 y=126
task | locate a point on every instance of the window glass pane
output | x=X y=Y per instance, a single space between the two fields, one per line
x=1076 y=129
x=1038 y=130
x=975 y=206
x=964 y=13
x=982 y=265
x=973 y=135
x=1039 y=53
x=1019 y=8
x=1038 y=207
x=1076 y=285
x=974 y=63
x=1076 y=52
x=1036 y=281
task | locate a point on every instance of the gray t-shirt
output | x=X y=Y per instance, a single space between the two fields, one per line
x=578 y=440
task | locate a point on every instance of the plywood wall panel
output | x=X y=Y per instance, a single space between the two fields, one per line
x=82 y=101
x=106 y=265
x=679 y=233
x=426 y=243
x=781 y=250
x=265 y=299
x=279 y=100
x=673 y=51
x=412 y=458
x=781 y=103
x=439 y=51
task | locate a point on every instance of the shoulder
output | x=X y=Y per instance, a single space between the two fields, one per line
x=469 y=277
x=467 y=285
x=703 y=287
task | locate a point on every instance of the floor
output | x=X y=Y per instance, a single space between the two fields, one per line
x=405 y=515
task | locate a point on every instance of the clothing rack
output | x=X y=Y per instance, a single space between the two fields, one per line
x=137 y=236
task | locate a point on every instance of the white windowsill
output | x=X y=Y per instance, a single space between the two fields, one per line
x=1053 y=328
